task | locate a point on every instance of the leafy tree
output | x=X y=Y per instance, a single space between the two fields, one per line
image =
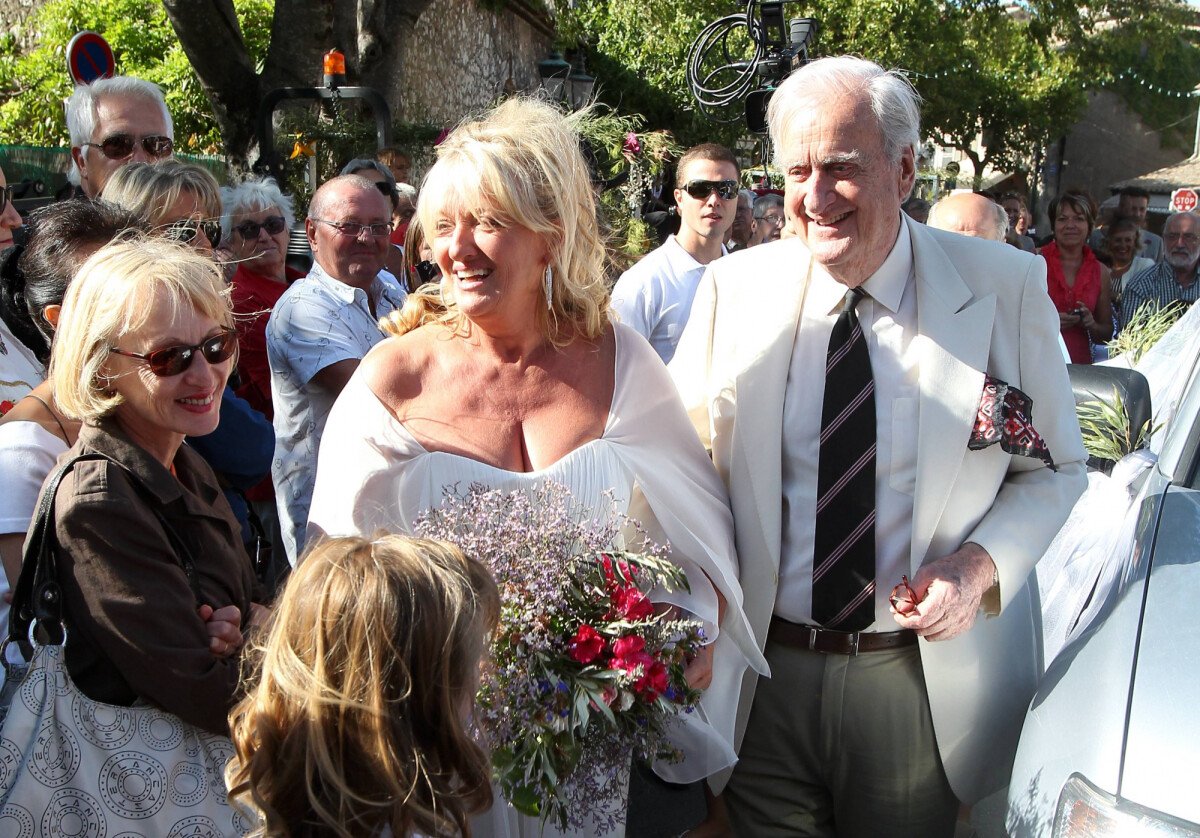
x=1015 y=75
x=144 y=44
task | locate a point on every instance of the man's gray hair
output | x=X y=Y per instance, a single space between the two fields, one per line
x=361 y=164
x=894 y=101
x=81 y=108
x=253 y=195
x=1195 y=216
x=407 y=192
x=766 y=203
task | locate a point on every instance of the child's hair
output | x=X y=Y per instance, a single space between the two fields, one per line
x=355 y=711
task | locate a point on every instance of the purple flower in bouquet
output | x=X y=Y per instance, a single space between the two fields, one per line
x=632 y=146
x=584 y=673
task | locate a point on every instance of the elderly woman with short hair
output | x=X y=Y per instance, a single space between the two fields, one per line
x=257 y=221
x=148 y=550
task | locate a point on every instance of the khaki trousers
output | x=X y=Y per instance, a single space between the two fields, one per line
x=841 y=746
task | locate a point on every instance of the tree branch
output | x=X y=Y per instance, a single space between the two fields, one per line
x=209 y=33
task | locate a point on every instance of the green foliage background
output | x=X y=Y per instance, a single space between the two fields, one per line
x=34 y=84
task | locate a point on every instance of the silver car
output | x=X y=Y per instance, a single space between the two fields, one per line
x=1111 y=742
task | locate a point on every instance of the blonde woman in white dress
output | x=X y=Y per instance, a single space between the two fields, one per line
x=511 y=373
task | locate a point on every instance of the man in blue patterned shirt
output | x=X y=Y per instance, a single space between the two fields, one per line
x=1172 y=280
x=320 y=330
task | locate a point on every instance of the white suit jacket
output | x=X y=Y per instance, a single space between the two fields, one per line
x=981 y=307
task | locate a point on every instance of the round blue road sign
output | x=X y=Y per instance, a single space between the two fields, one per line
x=89 y=57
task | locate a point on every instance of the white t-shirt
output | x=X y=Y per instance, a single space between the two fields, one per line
x=20 y=370
x=654 y=297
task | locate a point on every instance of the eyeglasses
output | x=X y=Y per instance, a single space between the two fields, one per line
x=355 y=230
x=6 y=196
x=120 y=146
x=274 y=225
x=701 y=189
x=1190 y=239
x=772 y=218
x=185 y=230
x=903 y=594
x=172 y=360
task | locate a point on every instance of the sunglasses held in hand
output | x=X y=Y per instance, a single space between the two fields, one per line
x=121 y=146
x=701 y=189
x=172 y=360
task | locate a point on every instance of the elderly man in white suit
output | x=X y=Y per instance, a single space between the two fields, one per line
x=879 y=719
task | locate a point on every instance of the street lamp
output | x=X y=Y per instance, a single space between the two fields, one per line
x=565 y=81
x=579 y=84
x=554 y=71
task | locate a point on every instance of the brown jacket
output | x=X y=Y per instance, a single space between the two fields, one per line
x=129 y=609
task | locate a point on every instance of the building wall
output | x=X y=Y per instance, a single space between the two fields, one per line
x=1109 y=143
x=459 y=58
x=14 y=12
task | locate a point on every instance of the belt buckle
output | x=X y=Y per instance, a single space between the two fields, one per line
x=854 y=635
x=812 y=638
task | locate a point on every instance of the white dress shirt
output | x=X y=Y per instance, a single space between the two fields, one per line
x=654 y=297
x=888 y=316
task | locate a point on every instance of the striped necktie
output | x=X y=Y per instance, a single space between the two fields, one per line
x=843 y=593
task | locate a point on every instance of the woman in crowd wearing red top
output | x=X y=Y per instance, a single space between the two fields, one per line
x=1078 y=283
x=255 y=233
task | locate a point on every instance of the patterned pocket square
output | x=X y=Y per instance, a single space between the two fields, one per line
x=1006 y=416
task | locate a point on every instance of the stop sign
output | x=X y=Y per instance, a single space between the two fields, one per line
x=1183 y=200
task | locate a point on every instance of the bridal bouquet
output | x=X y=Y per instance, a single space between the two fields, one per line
x=585 y=671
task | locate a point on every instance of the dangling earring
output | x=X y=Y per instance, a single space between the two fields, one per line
x=548 y=279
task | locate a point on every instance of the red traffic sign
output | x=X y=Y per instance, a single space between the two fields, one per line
x=89 y=57
x=1184 y=200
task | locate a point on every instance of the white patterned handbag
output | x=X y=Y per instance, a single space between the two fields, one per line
x=73 y=767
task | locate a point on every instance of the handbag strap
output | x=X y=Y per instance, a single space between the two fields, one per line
x=38 y=594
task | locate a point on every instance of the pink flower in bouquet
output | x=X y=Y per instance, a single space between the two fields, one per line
x=631 y=604
x=631 y=146
x=586 y=645
x=629 y=653
x=654 y=681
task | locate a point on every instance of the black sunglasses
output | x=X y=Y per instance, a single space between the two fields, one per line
x=274 y=225
x=185 y=230
x=388 y=191
x=172 y=360
x=120 y=146
x=701 y=189
x=6 y=196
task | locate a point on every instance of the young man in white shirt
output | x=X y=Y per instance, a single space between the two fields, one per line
x=654 y=297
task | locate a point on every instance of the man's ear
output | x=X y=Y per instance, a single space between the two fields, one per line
x=77 y=156
x=908 y=173
x=310 y=232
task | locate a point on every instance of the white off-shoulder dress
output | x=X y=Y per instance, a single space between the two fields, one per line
x=373 y=475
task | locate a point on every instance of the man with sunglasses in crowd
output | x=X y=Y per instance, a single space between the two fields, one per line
x=113 y=122
x=654 y=297
x=321 y=329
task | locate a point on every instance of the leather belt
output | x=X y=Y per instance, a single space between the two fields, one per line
x=837 y=642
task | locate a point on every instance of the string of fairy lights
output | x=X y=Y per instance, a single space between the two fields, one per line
x=1128 y=73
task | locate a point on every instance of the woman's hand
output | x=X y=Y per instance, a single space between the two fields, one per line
x=699 y=671
x=1086 y=320
x=1067 y=320
x=224 y=629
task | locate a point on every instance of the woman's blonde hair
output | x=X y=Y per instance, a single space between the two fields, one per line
x=151 y=189
x=521 y=162
x=354 y=713
x=116 y=292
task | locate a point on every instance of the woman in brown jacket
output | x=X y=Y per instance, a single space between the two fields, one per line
x=156 y=585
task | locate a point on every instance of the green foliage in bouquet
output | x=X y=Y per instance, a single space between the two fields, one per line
x=1107 y=434
x=1144 y=329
